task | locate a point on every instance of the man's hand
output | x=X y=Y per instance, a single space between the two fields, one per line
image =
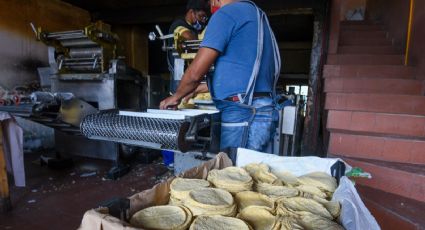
x=202 y=88
x=189 y=96
x=170 y=103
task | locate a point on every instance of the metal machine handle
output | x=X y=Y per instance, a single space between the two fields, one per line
x=159 y=30
x=34 y=29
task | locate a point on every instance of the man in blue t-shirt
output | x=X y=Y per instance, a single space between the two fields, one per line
x=240 y=43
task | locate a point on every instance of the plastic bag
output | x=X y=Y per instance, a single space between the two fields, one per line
x=354 y=214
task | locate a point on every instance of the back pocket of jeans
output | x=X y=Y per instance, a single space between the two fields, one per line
x=234 y=135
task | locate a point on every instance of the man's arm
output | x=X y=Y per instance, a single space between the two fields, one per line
x=185 y=33
x=202 y=88
x=193 y=76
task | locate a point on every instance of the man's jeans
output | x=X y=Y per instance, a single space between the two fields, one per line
x=251 y=127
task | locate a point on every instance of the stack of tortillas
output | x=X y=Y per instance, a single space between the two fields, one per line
x=275 y=191
x=260 y=218
x=211 y=201
x=320 y=180
x=269 y=184
x=287 y=178
x=163 y=217
x=261 y=174
x=218 y=223
x=248 y=198
x=232 y=179
x=260 y=198
x=180 y=188
x=263 y=219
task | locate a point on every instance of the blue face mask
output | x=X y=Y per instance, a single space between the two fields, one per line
x=198 y=26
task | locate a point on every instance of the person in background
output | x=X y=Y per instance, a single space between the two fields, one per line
x=241 y=45
x=188 y=28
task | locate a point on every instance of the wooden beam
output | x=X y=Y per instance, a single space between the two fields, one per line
x=163 y=14
x=5 y=204
x=268 y=5
x=102 y=5
x=167 y=13
x=295 y=45
x=297 y=11
x=311 y=144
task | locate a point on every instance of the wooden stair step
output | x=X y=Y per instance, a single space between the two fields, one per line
x=400 y=179
x=364 y=34
x=397 y=150
x=394 y=125
x=378 y=103
x=371 y=85
x=369 y=49
x=361 y=27
x=365 y=41
x=370 y=71
x=357 y=22
x=363 y=59
x=392 y=211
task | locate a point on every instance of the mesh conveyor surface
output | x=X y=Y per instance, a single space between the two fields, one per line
x=113 y=126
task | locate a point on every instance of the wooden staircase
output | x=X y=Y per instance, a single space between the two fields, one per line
x=376 y=120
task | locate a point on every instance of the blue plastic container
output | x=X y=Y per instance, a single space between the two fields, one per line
x=167 y=157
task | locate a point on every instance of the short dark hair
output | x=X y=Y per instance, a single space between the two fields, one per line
x=197 y=5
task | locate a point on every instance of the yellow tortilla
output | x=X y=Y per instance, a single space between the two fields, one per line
x=180 y=187
x=232 y=179
x=211 y=201
x=162 y=217
x=259 y=218
x=248 y=198
x=218 y=223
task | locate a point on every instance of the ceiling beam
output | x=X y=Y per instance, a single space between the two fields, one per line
x=295 y=45
x=167 y=13
x=299 y=11
x=104 y=5
x=160 y=14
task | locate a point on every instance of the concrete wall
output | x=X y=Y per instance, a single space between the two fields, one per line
x=20 y=53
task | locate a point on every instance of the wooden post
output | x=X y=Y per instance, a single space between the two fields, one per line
x=5 y=204
x=310 y=143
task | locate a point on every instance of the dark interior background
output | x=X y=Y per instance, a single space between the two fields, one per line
x=292 y=22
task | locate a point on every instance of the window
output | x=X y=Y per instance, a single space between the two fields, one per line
x=298 y=89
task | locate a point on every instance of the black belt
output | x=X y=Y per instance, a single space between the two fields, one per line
x=235 y=98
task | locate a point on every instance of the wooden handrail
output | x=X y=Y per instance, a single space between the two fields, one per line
x=409 y=32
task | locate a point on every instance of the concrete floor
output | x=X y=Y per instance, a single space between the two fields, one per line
x=57 y=199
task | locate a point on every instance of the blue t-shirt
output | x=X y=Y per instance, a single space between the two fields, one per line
x=233 y=31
